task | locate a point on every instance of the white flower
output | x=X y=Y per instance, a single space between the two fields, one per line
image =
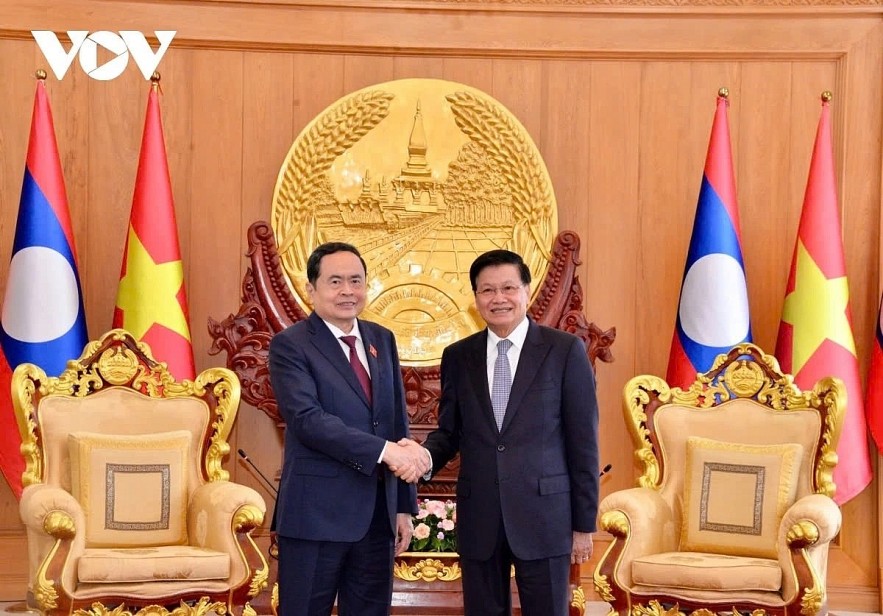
x=421 y=531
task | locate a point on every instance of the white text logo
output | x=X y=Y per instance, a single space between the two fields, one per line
x=86 y=46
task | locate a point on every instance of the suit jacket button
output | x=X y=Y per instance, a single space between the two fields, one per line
x=376 y=423
x=501 y=448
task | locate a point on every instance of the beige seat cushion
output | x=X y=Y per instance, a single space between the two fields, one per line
x=171 y=563
x=697 y=571
x=735 y=496
x=133 y=488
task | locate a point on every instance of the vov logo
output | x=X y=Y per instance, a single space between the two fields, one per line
x=86 y=46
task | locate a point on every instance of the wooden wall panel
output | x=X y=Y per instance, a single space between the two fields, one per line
x=471 y=71
x=613 y=143
x=18 y=95
x=519 y=86
x=269 y=104
x=362 y=71
x=215 y=211
x=177 y=107
x=619 y=100
x=405 y=67
x=667 y=191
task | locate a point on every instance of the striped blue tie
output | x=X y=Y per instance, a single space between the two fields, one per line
x=502 y=382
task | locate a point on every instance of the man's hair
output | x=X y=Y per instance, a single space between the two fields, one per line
x=329 y=248
x=493 y=258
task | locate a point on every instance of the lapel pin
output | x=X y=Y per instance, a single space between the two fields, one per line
x=372 y=350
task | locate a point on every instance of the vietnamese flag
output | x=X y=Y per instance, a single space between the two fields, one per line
x=151 y=302
x=875 y=384
x=815 y=334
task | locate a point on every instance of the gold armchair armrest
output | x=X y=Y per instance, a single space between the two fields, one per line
x=644 y=521
x=806 y=531
x=222 y=516
x=55 y=526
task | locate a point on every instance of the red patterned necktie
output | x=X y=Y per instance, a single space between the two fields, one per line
x=358 y=367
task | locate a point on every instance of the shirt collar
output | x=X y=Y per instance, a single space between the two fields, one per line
x=517 y=337
x=339 y=333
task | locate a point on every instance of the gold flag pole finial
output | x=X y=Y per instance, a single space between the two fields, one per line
x=40 y=74
x=724 y=93
x=154 y=81
x=827 y=95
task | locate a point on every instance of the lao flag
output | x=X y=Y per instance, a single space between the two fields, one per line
x=713 y=309
x=874 y=407
x=42 y=320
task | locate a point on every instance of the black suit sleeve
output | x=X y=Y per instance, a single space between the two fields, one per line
x=580 y=415
x=407 y=492
x=444 y=443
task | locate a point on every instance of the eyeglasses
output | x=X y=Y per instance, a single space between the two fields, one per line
x=490 y=292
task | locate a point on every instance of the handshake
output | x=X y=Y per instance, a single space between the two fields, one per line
x=407 y=459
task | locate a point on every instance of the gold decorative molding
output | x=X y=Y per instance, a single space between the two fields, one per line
x=803 y=534
x=118 y=360
x=203 y=607
x=429 y=569
x=744 y=372
x=602 y=586
x=274 y=599
x=578 y=600
x=813 y=597
x=654 y=608
x=616 y=523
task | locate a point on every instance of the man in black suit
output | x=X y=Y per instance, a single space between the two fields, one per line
x=518 y=403
x=342 y=513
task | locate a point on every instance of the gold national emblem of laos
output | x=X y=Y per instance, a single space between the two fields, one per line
x=422 y=175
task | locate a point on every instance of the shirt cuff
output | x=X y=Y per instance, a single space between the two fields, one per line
x=428 y=474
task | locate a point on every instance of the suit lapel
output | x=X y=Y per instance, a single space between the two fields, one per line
x=329 y=346
x=476 y=365
x=532 y=356
x=375 y=368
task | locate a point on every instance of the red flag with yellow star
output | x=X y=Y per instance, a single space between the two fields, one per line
x=815 y=334
x=151 y=302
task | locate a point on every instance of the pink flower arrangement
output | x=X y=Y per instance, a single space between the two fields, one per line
x=435 y=526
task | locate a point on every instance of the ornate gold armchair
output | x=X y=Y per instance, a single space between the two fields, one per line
x=125 y=501
x=733 y=512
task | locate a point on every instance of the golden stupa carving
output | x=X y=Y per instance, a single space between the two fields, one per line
x=422 y=175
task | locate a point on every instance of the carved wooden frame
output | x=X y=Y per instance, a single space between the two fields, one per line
x=268 y=306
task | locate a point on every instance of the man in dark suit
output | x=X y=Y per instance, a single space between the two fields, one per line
x=342 y=513
x=518 y=403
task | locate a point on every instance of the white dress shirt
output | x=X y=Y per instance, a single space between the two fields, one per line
x=360 y=345
x=517 y=338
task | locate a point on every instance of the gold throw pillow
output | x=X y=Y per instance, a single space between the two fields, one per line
x=736 y=494
x=133 y=488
